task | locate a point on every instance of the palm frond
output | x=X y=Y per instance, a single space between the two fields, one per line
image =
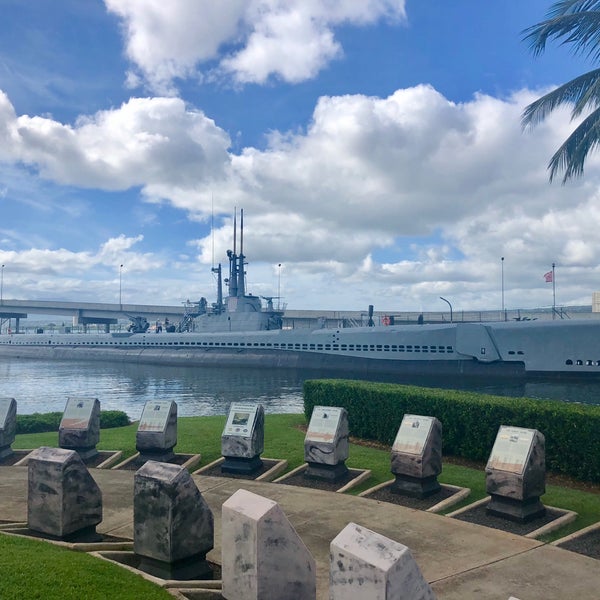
x=571 y=156
x=577 y=22
x=583 y=92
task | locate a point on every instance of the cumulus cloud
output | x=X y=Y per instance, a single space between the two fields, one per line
x=409 y=196
x=249 y=41
x=145 y=141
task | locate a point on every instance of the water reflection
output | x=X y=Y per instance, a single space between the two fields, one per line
x=42 y=386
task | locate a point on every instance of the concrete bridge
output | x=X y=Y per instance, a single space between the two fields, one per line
x=86 y=313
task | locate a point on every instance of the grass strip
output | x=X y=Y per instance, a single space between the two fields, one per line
x=36 y=570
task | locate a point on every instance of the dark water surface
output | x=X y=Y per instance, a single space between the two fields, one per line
x=43 y=386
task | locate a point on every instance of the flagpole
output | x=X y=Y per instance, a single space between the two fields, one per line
x=553 y=293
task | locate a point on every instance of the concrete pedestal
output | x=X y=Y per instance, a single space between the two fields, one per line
x=365 y=564
x=64 y=501
x=262 y=555
x=79 y=428
x=173 y=525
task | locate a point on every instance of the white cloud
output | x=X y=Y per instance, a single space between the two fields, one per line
x=145 y=141
x=405 y=198
x=247 y=40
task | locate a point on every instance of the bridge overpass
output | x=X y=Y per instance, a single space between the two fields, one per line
x=86 y=313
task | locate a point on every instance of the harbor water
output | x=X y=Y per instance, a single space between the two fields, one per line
x=44 y=386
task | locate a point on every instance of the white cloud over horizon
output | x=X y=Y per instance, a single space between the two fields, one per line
x=340 y=203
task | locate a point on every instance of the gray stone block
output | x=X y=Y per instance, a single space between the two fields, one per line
x=79 y=428
x=263 y=556
x=8 y=426
x=173 y=524
x=326 y=443
x=241 y=438
x=157 y=431
x=416 y=457
x=516 y=474
x=63 y=499
x=365 y=564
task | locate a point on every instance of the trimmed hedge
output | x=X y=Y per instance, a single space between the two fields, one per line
x=470 y=421
x=40 y=423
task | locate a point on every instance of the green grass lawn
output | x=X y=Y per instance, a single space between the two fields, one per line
x=63 y=573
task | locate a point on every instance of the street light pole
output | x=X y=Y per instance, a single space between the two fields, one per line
x=2 y=284
x=279 y=288
x=120 y=287
x=503 y=312
x=450 y=305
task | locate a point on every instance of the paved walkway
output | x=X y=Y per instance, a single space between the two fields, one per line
x=460 y=560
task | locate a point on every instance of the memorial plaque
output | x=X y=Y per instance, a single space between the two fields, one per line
x=416 y=458
x=8 y=426
x=324 y=423
x=5 y=408
x=326 y=443
x=78 y=413
x=243 y=439
x=515 y=474
x=80 y=426
x=511 y=449
x=412 y=434
x=155 y=416
x=156 y=435
x=241 y=420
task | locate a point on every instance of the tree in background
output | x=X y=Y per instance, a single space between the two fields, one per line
x=575 y=22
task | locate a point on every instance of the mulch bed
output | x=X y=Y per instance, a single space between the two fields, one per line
x=300 y=480
x=588 y=544
x=216 y=471
x=134 y=465
x=387 y=495
x=9 y=461
x=479 y=516
x=98 y=459
x=84 y=539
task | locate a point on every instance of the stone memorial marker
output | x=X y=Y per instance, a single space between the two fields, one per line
x=243 y=438
x=516 y=474
x=365 y=564
x=263 y=556
x=157 y=432
x=172 y=523
x=8 y=426
x=63 y=499
x=417 y=456
x=79 y=428
x=326 y=443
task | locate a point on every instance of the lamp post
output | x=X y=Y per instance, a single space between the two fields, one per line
x=120 y=286
x=2 y=284
x=502 y=263
x=279 y=288
x=450 y=305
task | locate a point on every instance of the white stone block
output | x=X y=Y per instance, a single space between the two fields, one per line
x=366 y=565
x=262 y=555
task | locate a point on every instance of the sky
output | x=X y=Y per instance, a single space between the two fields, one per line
x=375 y=147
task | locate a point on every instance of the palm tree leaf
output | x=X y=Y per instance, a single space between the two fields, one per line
x=583 y=92
x=570 y=157
x=576 y=21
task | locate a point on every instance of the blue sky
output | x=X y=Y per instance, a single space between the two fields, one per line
x=374 y=145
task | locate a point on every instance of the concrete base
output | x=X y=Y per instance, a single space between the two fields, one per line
x=326 y=472
x=193 y=567
x=159 y=455
x=241 y=466
x=415 y=487
x=85 y=453
x=521 y=511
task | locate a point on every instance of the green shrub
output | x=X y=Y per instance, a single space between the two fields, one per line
x=470 y=421
x=40 y=423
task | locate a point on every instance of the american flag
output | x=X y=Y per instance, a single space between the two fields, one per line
x=548 y=277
